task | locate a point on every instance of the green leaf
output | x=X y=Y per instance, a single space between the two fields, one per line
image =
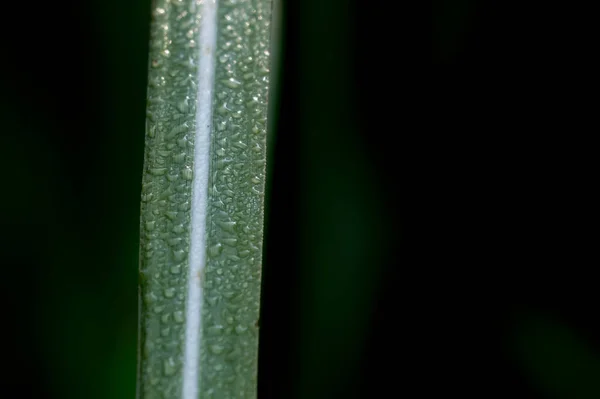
x=202 y=199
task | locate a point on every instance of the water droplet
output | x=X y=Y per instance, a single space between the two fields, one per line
x=178 y=229
x=222 y=109
x=232 y=83
x=157 y=171
x=171 y=214
x=182 y=142
x=184 y=206
x=159 y=309
x=183 y=106
x=170 y=292
x=240 y=144
x=179 y=158
x=240 y=329
x=227 y=226
x=237 y=298
x=212 y=300
x=215 y=330
x=217 y=349
x=215 y=250
x=174 y=241
x=187 y=173
x=178 y=316
x=263 y=70
x=150 y=298
x=169 y=367
x=177 y=130
x=172 y=177
x=179 y=255
x=166 y=193
x=230 y=241
x=236 y=353
x=244 y=253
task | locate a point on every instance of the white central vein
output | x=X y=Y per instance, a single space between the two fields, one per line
x=207 y=40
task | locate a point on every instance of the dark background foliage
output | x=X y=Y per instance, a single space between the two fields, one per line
x=429 y=216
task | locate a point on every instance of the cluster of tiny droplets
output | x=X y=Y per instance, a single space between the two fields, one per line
x=166 y=196
x=231 y=280
x=235 y=211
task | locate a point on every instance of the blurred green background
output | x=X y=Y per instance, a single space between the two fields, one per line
x=357 y=181
x=73 y=109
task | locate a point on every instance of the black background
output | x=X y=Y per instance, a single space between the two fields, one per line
x=431 y=215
